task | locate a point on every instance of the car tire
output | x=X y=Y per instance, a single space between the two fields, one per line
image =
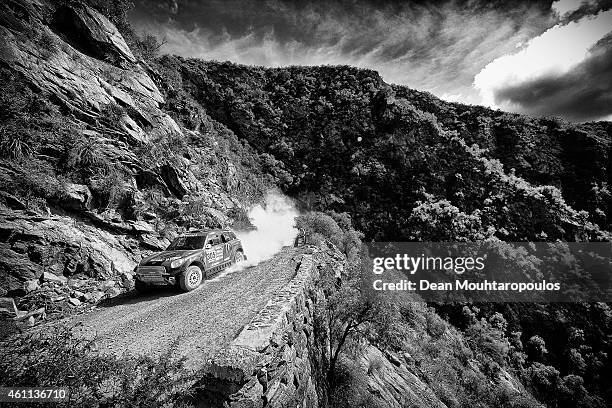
x=191 y=278
x=141 y=287
x=239 y=257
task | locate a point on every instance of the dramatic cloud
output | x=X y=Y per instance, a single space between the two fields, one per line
x=565 y=71
x=438 y=47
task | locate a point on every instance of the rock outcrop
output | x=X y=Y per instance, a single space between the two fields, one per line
x=91 y=32
x=75 y=66
x=32 y=246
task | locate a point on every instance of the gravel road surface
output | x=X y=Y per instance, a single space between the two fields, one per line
x=203 y=321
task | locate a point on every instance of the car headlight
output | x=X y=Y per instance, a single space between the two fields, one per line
x=177 y=262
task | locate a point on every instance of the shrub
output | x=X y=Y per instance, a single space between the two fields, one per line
x=319 y=226
x=56 y=358
x=113 y=113
x=15 y=143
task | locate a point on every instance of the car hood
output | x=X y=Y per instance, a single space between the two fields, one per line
x=167 y=255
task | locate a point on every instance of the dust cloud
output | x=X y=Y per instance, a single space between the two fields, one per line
x=275 y=228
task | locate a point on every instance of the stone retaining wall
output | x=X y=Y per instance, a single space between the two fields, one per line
x=276 y=360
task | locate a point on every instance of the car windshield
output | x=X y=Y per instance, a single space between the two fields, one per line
x=188 y=242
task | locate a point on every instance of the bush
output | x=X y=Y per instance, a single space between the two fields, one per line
x=336 y=228
x=57 y=358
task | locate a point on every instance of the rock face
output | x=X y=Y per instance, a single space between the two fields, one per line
x=90 y=71
x=34 y=247
x=276 y=359
x=92 y=33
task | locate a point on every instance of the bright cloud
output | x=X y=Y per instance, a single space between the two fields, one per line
x=554 y=53
x=563 y=7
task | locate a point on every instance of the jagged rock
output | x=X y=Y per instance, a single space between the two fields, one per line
x=11 y=201
x=215 y=217
x=74 y=74
x=51 y=277
x=7 y=307
x=77 y=197
x=113 y=292
x=96 y=296
x=74 y=301
x=31 y=286
x=141 y=227
x=16 y=265
x=92 y=33
x=77 y=294
x=149 y=178
x=153 y=242
x=108 y=284
x=175 y=180
x=59 y=241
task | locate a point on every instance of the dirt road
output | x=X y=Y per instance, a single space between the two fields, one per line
x=203 y=321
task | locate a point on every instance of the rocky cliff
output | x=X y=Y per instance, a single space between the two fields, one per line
x=94 y=172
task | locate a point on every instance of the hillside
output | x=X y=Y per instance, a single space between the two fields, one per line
x=107 y=152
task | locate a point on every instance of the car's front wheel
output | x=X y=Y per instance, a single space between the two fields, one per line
x=191 y=278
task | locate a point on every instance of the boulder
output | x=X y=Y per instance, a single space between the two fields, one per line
x=66 y=246
x=76 y=197
x=31 y=286
x=96 y=296
x=74 y=301
x=113 y=292
x=77 y=294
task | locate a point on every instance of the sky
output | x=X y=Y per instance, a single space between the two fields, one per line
x=543 y=58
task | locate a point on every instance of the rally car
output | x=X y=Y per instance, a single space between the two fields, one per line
x=190 y=259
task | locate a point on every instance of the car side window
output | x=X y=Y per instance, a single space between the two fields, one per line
x=214 y=240
x=227 y=237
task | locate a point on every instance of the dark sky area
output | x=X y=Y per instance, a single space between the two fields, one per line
x=534 y=57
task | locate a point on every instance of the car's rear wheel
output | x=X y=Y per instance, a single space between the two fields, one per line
x=239 y=257
x=191 y=278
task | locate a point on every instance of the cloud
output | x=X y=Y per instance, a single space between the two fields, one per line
x=436 y=48
x=560 y=72
x=583 y=93
x=563 y=7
